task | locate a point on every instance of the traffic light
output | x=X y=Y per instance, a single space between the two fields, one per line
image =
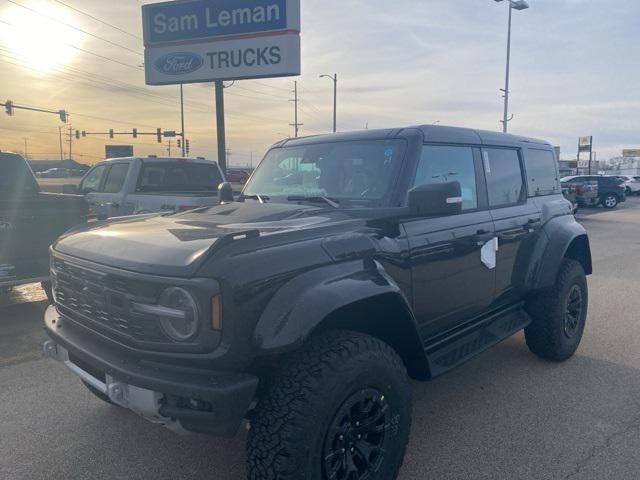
x=111 y=133
x=186 y=144
x=159 y=135
x=8 y=107
x=135 y=133
x=179 y=143
x=63 y=115
x=84 y=133
x=78 y=134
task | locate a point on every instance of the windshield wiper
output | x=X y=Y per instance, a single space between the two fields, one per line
x=333 y=202
x=260 y=198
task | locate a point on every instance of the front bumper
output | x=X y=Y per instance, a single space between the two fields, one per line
x=177 y=397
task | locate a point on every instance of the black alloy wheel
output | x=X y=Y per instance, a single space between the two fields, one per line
x=355 y=444
x=573 y=311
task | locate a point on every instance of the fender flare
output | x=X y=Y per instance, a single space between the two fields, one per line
x=561 y=233
x=300 y=306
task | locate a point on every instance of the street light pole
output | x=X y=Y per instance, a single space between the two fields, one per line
x=334 y=78
x=182 y=119
x=513 y=5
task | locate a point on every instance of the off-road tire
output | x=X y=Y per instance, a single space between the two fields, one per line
x=99 y=394
x=290 y=429
x=547 y=335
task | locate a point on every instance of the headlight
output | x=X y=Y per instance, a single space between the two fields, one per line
x=178 y=314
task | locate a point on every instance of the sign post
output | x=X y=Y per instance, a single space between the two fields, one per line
x=195 y=41
x=222 y=148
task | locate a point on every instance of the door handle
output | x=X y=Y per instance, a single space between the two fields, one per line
x=533 y=221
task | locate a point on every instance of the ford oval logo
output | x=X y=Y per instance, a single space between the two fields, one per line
x=178 y=63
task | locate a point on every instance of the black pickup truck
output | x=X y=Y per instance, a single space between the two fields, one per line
x=30 y=221
x=349 y=263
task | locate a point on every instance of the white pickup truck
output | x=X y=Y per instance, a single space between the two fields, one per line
x=128 y=186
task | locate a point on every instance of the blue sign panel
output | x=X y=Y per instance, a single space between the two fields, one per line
x=181 y=21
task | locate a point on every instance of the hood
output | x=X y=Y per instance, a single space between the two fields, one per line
x=177 y=245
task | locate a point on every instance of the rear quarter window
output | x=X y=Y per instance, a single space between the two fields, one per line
x=542 y=172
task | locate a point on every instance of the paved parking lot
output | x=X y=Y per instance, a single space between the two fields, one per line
x=504 y=415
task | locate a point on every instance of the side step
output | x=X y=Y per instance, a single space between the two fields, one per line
x=447 y=351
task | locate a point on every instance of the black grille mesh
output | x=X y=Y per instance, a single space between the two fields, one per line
x=103 y=301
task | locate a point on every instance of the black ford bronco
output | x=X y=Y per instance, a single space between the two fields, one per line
x=349 y=263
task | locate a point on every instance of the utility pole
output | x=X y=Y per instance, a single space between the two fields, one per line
x=334 y=79
x=70 y=142
x=169 y=149
x=222 y=149
x=182 y=119
x=60 y=133
x=296 y=125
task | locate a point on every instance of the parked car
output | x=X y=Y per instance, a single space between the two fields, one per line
x=30 y=221
x=595 y=190
x=55 y=173
x=237 y=175
x=631 y=184
x=128 y=186
x=579 y=191
x=348 y=263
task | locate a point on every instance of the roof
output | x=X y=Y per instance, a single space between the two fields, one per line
x=160 y=159
x=431 y=133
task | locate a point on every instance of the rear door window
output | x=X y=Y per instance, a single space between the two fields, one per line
x=542 y=176
x=116 y=177
x=503 y=171
x=179 y=177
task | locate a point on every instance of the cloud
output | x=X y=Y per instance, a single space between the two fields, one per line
x=574 y=72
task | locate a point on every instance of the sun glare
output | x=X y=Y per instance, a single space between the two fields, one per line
x=40 y=41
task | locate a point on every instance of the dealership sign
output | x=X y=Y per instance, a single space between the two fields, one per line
x=585 y=144
x=188 y=41
x=631 y=152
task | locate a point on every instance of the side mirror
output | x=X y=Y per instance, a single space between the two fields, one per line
x=436 y=199
x=225 y=193
x=70 y=189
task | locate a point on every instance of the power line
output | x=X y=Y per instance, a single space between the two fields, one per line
x=74 y=27
x=282 y=89
x=82 y=49
x=104 y=22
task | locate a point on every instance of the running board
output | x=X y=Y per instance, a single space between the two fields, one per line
x=447 y=351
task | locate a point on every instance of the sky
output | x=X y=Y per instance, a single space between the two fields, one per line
x=574 y=72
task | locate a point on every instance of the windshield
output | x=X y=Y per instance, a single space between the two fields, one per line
x=357 y=171
x=179 y=177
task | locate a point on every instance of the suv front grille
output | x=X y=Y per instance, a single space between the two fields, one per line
x=102 y=301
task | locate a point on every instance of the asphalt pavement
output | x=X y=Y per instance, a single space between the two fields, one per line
x=504 y=415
